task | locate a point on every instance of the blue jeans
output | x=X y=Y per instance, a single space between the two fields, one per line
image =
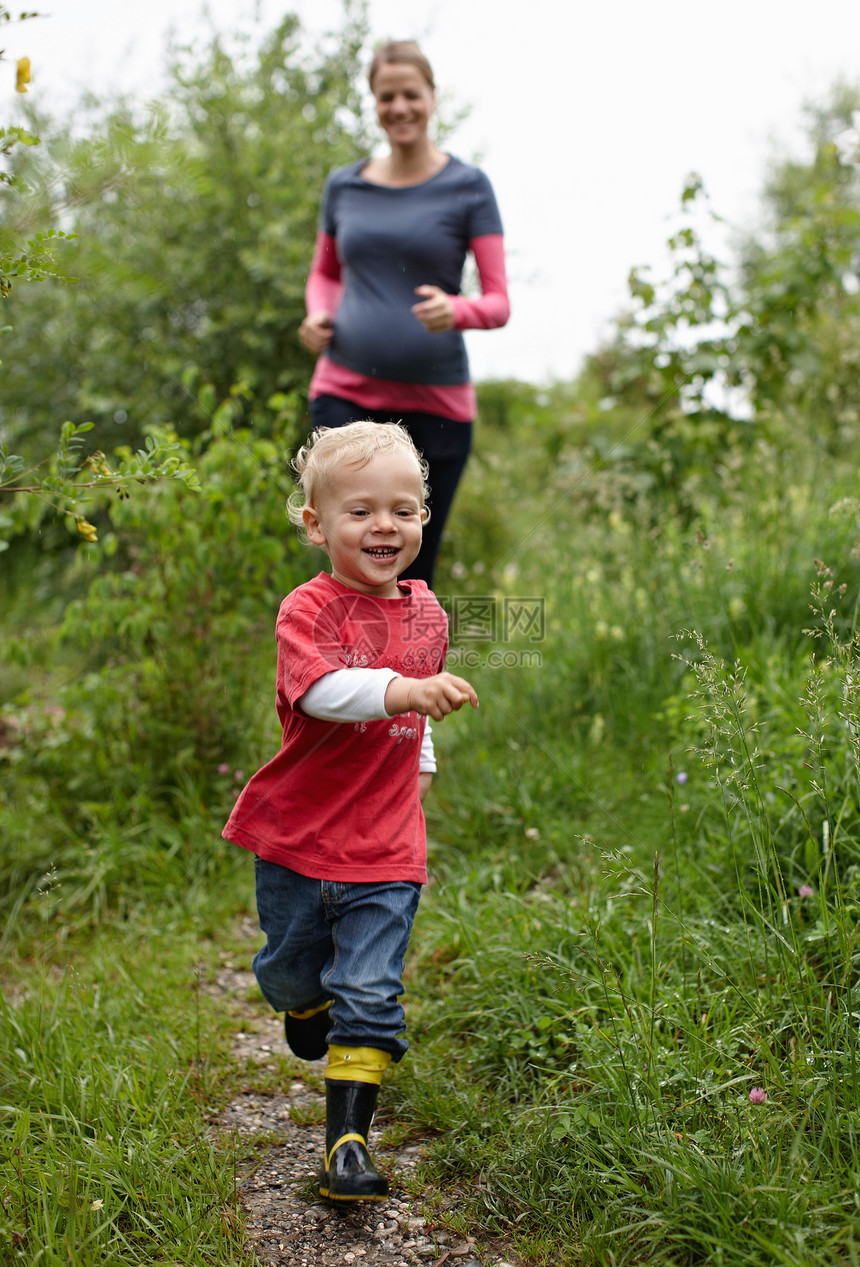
x=328 y=939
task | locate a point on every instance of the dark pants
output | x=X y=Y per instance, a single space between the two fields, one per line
x=442 y=442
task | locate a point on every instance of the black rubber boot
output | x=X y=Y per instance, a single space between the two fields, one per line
x=348 y=1174
x=307 y=1037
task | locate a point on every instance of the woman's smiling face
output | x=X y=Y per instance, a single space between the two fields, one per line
x=369 y=519
x=404 y=102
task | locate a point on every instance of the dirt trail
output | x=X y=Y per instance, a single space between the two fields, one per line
x=287 y=1223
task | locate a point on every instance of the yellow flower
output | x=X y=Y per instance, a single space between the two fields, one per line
x=87 y=530
x=22 y=77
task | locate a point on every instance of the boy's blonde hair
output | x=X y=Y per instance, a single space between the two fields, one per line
x=356 y=444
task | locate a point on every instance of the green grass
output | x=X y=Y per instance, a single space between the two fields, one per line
x=110 y=1070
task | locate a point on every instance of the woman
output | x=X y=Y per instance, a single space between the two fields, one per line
x=384 y=310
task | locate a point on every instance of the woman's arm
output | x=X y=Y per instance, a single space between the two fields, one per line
x=492 y=309
x=438 y=311
x=324 y=287
x=322 y=295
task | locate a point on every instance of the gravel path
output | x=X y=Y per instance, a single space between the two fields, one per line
x=287 y=1222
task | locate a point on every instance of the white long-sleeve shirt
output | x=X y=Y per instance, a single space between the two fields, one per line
x=359 y=695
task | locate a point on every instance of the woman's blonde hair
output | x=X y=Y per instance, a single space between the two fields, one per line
x=356 y=444
x=399 y=51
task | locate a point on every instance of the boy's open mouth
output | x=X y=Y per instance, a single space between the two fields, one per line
x=382 y=552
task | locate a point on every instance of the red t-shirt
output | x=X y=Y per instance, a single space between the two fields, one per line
x=340 y=800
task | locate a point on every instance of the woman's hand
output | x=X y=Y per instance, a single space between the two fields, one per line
x=436 y=311
x=315 y=332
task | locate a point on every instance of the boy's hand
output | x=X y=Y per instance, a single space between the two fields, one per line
x=435 y=697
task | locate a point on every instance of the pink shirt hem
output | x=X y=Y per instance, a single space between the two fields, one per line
x=329 y=379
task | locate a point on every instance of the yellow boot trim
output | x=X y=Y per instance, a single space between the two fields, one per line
x=357 y=1064
x=344 y=1139
x=312 y=1011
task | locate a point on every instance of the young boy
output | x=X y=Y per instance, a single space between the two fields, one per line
x=335 y=818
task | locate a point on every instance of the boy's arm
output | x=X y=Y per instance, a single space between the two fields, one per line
x=348 y=695
x=426 y=763
x=374 y=694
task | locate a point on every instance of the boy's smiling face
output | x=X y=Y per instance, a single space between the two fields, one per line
x=368 y=519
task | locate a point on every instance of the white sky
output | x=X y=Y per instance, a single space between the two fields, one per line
x=587 y=118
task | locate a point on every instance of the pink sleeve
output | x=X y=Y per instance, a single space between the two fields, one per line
x=492 y=309
x=323 y=289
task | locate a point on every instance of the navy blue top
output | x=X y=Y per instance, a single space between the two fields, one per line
x=390 y=240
